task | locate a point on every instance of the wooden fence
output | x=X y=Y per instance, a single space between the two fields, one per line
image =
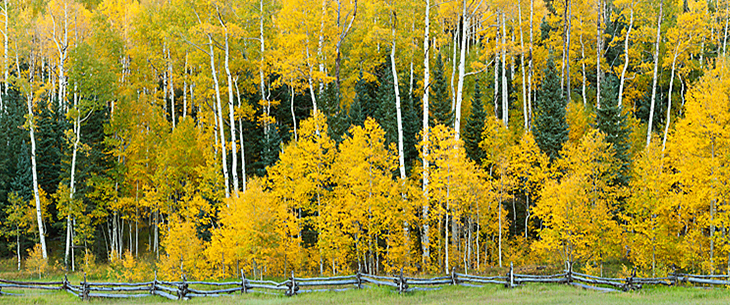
x=184 y=289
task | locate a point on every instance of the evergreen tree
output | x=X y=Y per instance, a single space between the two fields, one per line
x=550 y=128
x=365 y=101
x=50 y=145
x=12 y=137
x=440 y=101
x=337 y=120
x=611 y=120
x=412 y=124
x=386 y=114
x=475 y=126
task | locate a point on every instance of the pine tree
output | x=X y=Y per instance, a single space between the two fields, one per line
x=385 y=98
x=550 y=128
x=611 y=120
x=51 y=125
x=440 y=101
x=365 y=101
x=475 y=126
x=336 y=116
x=412 y=124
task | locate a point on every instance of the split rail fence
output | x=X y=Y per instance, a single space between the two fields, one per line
x=184 y=289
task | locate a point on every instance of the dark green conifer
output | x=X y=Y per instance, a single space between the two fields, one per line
x=475 y=126
x=550 y=128
x=440 y=106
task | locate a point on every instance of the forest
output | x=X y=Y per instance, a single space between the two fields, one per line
x=204 y=137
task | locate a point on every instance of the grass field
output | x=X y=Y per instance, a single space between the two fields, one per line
x=530 y=294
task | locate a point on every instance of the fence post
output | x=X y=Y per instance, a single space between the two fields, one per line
x=65 y=283
x=244 y=283
x=293 y=288
x=182 y=289
x=358 y=279
x=402 y=283
x=154 y=284
x=569 y=274
x=511 y=275
x=630 y=280
x=454 y=280
x=674 y=275
x=85 y=289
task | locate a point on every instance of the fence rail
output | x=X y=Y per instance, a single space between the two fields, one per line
x=182 y=290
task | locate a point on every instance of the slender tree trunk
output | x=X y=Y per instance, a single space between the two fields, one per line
x=626 y=57
x=172 y=89
x=567 y=52
x=36 y=195
x=399 y=118
x=426 y=88
x=497 y=60
x=72 y=184
x=599 y=43
x=293 y=116
x=505 y=96
x=262 y=49
x=231 y=120
x=669 y=107
x=310 y=81
x=656 y=70
x=522 y=67
x=583 y=67
x=529 y=74
x=462 y=72
x=455 y=45
x=240 y=133
x=6 y=79
x=220 y=117
x=185 y=88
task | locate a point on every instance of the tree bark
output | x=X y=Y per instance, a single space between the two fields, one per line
x=399 y=118
x=669 y=107
x=462 y=72
x=599 y=43
x=224 y=164
x=626 y=57
x=522 y=66
x=172 y=89
x=231 y=120
x=567 y=51
x=529 y=75
x=240 y=133
x=36 y=194
x=505 y=97
x=426 y=88
x=656 y=70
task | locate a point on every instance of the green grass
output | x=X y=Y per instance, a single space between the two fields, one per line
x=529 y=294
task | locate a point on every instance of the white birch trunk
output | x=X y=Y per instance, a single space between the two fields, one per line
x=36 y=195
x=172 y=89
x=220 y=116
x=185 y=89
x=240 y=133
x=426 y=88
x=505 y=102
x=656 y=70
x=231 y=120
x=399 y=118
x=669 y=107
x=455 y=45
x=598 y=55
x=626 y=58
x=5 y=55
x=567 y=51
x=462 y=72
x=583 y=67
x=529 y=74
x=522 y=65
